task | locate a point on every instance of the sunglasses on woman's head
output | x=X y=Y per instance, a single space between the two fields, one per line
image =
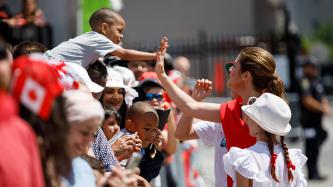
x=151 y=96
x=251 y=100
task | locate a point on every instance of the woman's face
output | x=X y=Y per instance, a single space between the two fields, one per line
x=31 y=5
x=235 y=81
x=113 y=97
x=81 y=135
x=110 y=127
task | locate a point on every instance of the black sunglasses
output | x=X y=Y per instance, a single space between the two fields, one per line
x=228 y=66
x=151 y=96
x=251 y=100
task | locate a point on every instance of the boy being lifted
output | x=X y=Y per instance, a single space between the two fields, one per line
x=107 y=28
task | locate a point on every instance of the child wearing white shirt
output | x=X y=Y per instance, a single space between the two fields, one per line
x=269 y=162
x=107 y=28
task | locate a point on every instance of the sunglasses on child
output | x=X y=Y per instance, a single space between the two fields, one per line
x=151 y=96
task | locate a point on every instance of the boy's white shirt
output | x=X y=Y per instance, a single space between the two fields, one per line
x=83 y=49
x=211 y=133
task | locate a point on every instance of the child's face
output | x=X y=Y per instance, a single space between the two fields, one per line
x=138 y=67
x=115 y=31
x=155 y=97
x=146 y=127
x=110 y=127
x=254 y=129
x=113 y=97
x=80 y=136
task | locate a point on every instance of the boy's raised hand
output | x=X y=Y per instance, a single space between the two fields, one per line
x=202 y=89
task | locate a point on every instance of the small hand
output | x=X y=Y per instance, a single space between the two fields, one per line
x=157 y=141
x=121 y=177
x=125 y=146
x=202 y=89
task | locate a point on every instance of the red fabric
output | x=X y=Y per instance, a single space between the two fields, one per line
x=148 y=75
x=234 y=128
x=43 y=74
x=219 y=78
x=20 y=163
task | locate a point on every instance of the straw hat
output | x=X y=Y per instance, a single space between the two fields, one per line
x=270 y=112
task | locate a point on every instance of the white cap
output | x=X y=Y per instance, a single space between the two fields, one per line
x=81 y=74
x=270 y=112
x=81 y=106
x=115 y=80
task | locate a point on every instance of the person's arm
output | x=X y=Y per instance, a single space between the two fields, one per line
x=185 y=130
x=200 y=110
x=314 y=105
x=130 y=54
x=242 y=181
x=326 y=106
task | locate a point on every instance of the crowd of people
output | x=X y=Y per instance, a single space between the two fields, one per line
x=91 y=113
x=28 y=24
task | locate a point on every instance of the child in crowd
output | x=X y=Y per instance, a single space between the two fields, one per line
x=111 y=123
x=269 y=162
x=142 y=119
x=106 y=35
x=154 y=95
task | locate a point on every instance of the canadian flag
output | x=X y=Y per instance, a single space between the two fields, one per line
x=33 y=95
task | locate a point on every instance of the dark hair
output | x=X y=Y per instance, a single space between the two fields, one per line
x=6 y=33
x=273 y=155
x=287 y=159
x=97 y=70
x=29 y=16
x=289 y=164
x=122 y=110
x=4 y=50
x=103 y=15
x=112 y=111
x=53 y=146
x=260 y=63
x=28 y=47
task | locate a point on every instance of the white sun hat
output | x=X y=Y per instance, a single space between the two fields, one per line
x=270 y=112
x=115 y=80
x=81 y=74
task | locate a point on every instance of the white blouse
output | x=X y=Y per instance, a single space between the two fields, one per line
x=254 y=163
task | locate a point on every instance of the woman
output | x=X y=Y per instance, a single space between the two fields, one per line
x=252 y=73
x=30 y=14
x=117 y=95
x=38 y=92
